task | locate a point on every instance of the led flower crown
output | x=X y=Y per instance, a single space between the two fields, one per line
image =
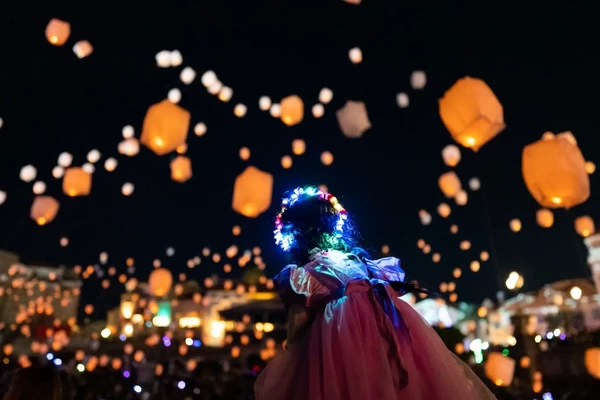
x=284 y=237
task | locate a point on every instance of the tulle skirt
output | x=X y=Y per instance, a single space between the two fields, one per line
x=354 y=351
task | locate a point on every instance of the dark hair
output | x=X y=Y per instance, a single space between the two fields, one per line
x=39 y=383
x=312 y=220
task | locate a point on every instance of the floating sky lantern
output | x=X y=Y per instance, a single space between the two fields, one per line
x=77 y=182
x=82 y=49
x=215 y=87
x=292 y=110
x=93 y=156
x=159 y=282
x=28 y=173
x=418 y=80
x=353 y=119
x=326 y=158
x=129 y=147
x=554 y=172
x=245 y=153
x=451 y=155
x=584 y=226
x=402 y=100
x=225 y=94
x=44 y=209
x=110 y=164
x=252 y=192
x=471 y=113
x=58 y=31
x=163 y=59
x=544 y=218
x=264 y=103
x=175 y=58
x=165 y=127
x=127 y=189
x=174 y=95
x=461 y=198
x=200 y=129
x=474 y=184
x=240 y=110
x=298 y=147
x=187 y=75
x=355 y=55
x=208 y=78
x=590 y=167
x=484 y=256
x=58 y=172
x=65 y=159
x=318 y=110
x=39 y=187
x=425 y=217
x=286 y=162
x=500 y=369
x=444 y=210
x=181 y=169
x=89 y=168
x=275 y=110
x=325 y=95
x=449 y=184
x=515 y=225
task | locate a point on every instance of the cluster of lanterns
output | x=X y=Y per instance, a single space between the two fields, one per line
x=58 y=33
x=554 y=169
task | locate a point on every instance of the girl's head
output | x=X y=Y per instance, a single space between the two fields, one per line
x=309 y=219
x=40 y=383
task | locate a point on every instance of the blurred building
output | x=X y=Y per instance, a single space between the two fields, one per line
x=40 y=295
x=189 y=310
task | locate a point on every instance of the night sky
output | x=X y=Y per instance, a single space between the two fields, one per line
x=540 y=61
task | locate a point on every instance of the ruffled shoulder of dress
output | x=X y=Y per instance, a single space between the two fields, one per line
x=387 y=269
x=284 y=283
x=283 y=277
x=298 y=285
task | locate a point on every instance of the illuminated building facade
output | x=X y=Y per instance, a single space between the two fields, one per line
x=39 y=295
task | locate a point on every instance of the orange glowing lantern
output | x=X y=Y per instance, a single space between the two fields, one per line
x=298 y=147
x=252 y=192
x=471 y=112
x=160 y=281
x=585 y=226
x=181 y=169
x=449 y=184
x=592 y=361
x=590 y=167
x=44 y=209
x=77 y=182
x=554 y=172
x=500 y=369
x=58 y=31
x=353 y=119
x=292 y=110
x=544 y=218
x=444 y=210
x=451 y=155
x=165 y=127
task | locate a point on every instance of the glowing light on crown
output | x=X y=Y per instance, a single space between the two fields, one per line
x=284 y=236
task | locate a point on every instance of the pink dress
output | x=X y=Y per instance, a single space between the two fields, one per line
x=364 y=342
